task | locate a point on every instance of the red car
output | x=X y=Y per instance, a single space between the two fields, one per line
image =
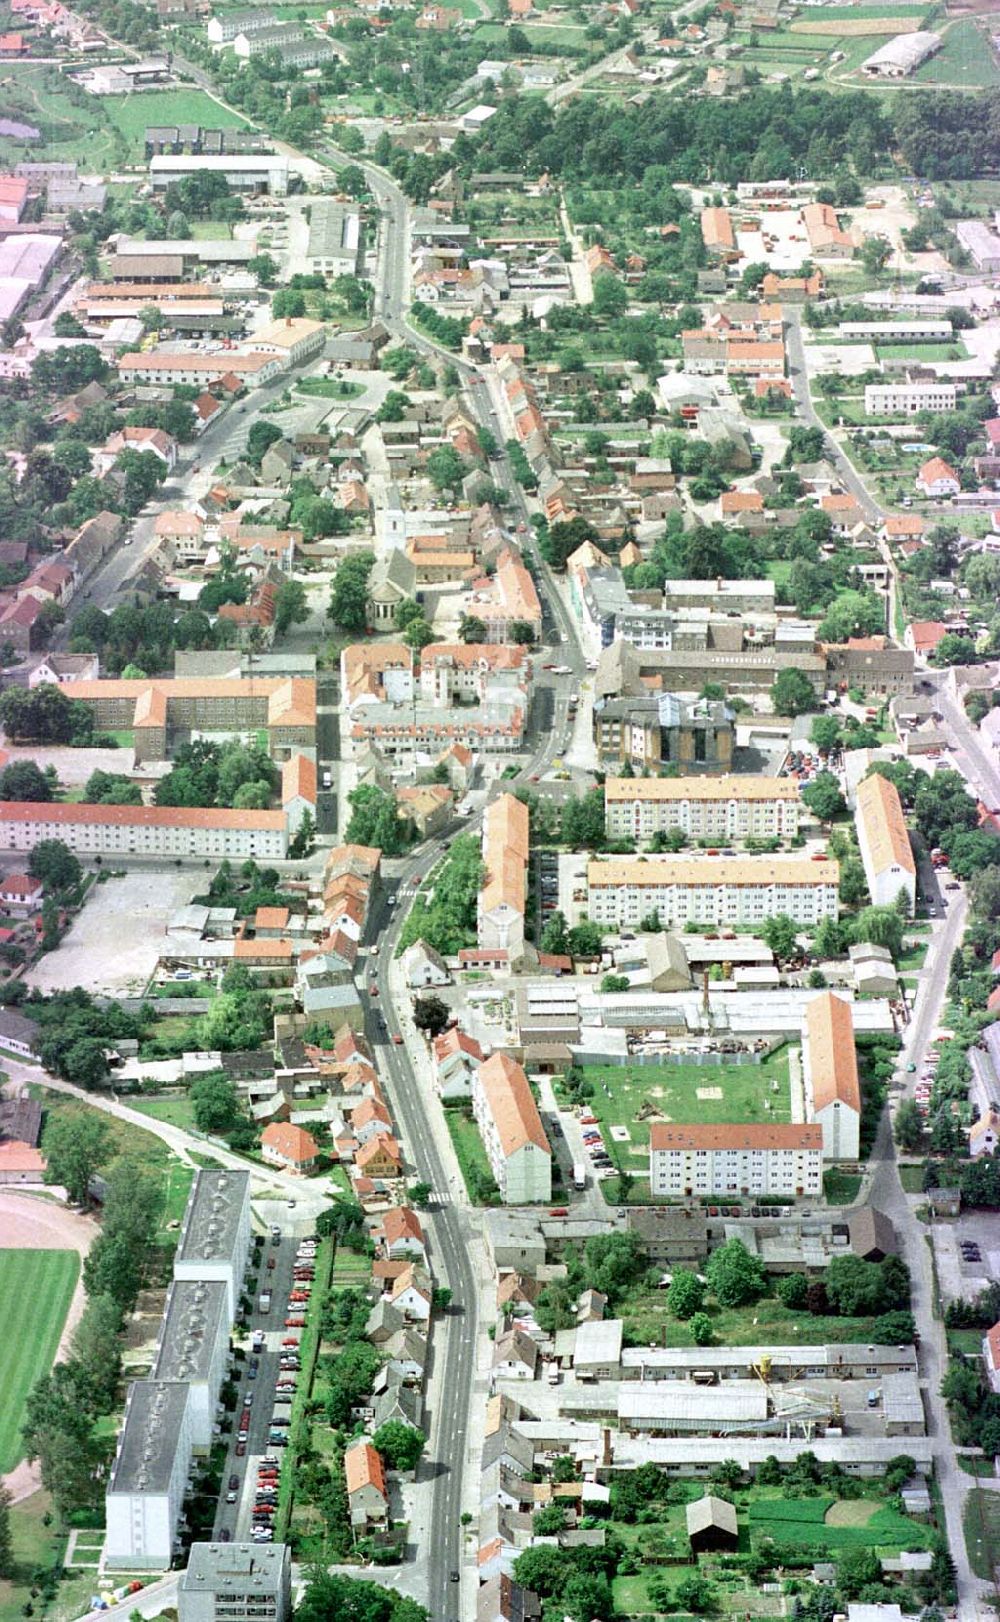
x=398 y=1040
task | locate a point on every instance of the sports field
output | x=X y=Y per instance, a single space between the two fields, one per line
x=36 y=1287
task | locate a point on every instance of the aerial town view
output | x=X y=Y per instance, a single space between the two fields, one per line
x=500 y=810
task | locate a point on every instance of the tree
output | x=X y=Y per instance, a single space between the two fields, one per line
x=584 y=940
x=55 y=864
x=349 y=597
x=446 y=469
x=823 y=797
x=612 y=1262
x=59 y=1432
x=216 y=1103
x=77 y=1143
x=23 y=780
x=824 y=732
x=97 y=1352
x=264 y=267
x=290 y=605
x=554 y=934
x=793 y=1291
x=685 y=1295
x=780 y=934
x=857 y=1569
x=431 y=1015
x=472 y=629
x=349 y=1599
x=792 y=694
x=420 y=1195
x=399 y=1444
x=522 y=632
x=6 y=1541
x=696 y=1594
x=735 y=1276
x=701 y=1329
x=263 y=434
x=375 y=820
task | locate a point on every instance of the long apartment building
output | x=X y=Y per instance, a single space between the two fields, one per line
x=830 y=1072
x=154 y=710
x=770 y=1161
x=711 y=890
x=512 y=1132
x=166 y=1416
x=884 y=842
x=720 y=808
x=907 y=399
x=146 y=830
x=503 y=897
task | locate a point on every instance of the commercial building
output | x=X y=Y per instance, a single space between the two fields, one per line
x=907 y=399
x=294 y=339
x=26 y=262
x=848 y=1360
x=463 y=672
x=511 y=1129
x=165 y=366
x=660 y=729
x=714 y=808
x=146 y=830
x=830 y=1073
x=214 y=1240
x=194 y=1348
x=906 y=330
x=711 y=890
x=236 y=1582
x=879 y=667
x=983 y=244
x=297 y=47
x=139 y=260
x=334 y=247
x=884 y=842
x=775 y=1162
x=902 y=55
x=247 y=171
x=503 y=897
x=149 y=1477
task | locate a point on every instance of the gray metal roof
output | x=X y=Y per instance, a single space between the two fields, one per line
x=213 y=1216
x=217 y=1567
x=147 y=1449
x=191 y=1325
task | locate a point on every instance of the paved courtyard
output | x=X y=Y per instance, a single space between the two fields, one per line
x=113 y=945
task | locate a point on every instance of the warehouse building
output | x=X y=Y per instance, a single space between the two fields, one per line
x=149 y=1477
x=192 y=367
x=236 y=1582
x=334 y=247
x=26 y=261
x=247 y=172
x=704 y=1161
x=884 y=843
x=848 y=1361
x=194 y=1347
x=294 y=339
x=982 y=243
x=711 y=890
x=714 y=808
x=901 y=56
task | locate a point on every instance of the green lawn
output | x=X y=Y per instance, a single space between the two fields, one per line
x=132 y=114
x=766 y=1323
x=827 y=1526
x=839 y=1188
x=35 y=1545
x=982 y=1531
x=37 y=95
x=36 y=1287
x=175 y=1111
x=328 y=388
x=920 y=352
x=468 y=1147
x=964 y=60
x=629 y=1097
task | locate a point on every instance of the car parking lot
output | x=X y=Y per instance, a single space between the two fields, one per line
x=266 y=1379
x=967 y=1253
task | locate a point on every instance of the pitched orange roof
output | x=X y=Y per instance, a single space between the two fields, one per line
x=379 y=1147
x=880 y=810
x=363 y=1468
x=138 y=816
x=298 y=779
x=729 y=1136
x=511 y=1104
x=833 y=1065
x=293 y=1143
x=402 y=1223
x=271 y=918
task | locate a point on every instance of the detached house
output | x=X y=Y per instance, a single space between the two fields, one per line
x=364 y=1478
x=288 y=1146
x=401 y=1235
x=411 y=1294
x=457 y=1057
x=937 y=479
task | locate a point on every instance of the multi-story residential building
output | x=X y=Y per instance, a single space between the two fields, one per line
x=149 y=1477
x=503 y=897
x=775 y=1162
x=830 y=1072
x=711 y=890
x=461 y=672
x=719 y=808
x=214 y=1240
x=511 y=1129
x=659 y=729
x=146 y=830
x=508 y=599
x=879 y=667
x=884 y=842
x=236 y=1582
x=223 y=29
x=154 y=710
x=194 y=1346
x=907 y=399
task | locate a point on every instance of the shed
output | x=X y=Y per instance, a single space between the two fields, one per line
x=711 y=1524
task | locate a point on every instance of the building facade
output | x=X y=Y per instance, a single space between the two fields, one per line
x=884 y=842
x=236 y=1582
x=512 y=1132
x=146 y=831
x=149 y=1477
x=711 y=890
x=771 y=1161
x=720 y=808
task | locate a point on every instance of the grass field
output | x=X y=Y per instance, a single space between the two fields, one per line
x=921 y=352
x=982 y=1531
x=38 y=96
x=766 y=1323
x=828 y=1526
x=328 y=388
x=965 y=59
x=132 y=114
x=36 y=1287
x=629 y=1097
x=468 y=1147
x=175 y=1111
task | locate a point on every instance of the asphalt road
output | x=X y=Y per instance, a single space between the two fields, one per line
x=807 y=411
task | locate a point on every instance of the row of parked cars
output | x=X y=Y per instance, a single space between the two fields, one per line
x=595 y=1145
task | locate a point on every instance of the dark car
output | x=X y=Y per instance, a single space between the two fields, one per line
x=234 y=1482
x=225 y=1536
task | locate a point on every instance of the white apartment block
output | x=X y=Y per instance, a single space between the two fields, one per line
x=719 y=808
x=511 y=1129
x=214 y=1240
x=773 y=1162
x=907 y=399
x=194 y=1347
x=149 y=1477
x=711 y=890
x=145 y=830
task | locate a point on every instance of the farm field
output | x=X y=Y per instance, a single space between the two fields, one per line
x=131 y=114
x=826 y=1526
x=964 y=60
x=36 y=1287
x=627 y=1098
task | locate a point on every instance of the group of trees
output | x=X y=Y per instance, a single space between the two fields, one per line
x=210 y=774
x=350 y=1599
x=349 y=596
x=220 y=1110
x=145 y=636
x=446 y=916
x=375 y=820
x=44 y=715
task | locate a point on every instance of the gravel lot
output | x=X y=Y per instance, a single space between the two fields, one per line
x=114 y=944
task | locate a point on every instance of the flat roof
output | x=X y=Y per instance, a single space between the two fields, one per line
x=194 y=1310
x=831 y=1358
x=147 y=1448
x=166 y=163
x=212 y=1567
x=598 y=1342
x=664 y=1400
x=213 y=1216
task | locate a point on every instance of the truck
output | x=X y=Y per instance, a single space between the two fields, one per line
x=264 y=1304
x=257 y=1341
x=579 y=1174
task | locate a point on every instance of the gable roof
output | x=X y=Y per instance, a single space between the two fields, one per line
x=363 y=1468
x=833 y=1065
x=511 y=1105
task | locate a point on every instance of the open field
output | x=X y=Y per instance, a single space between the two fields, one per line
x=922 y=352
x=826 y=1526
x=766 y=1323
x=630 y=1097
x=965 y=59
x=132 y=114
x=36 y=1545
x=36 y=1287
x=982 y=1531
x=175 y=1111
x=38 y=95
x=855 y=27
